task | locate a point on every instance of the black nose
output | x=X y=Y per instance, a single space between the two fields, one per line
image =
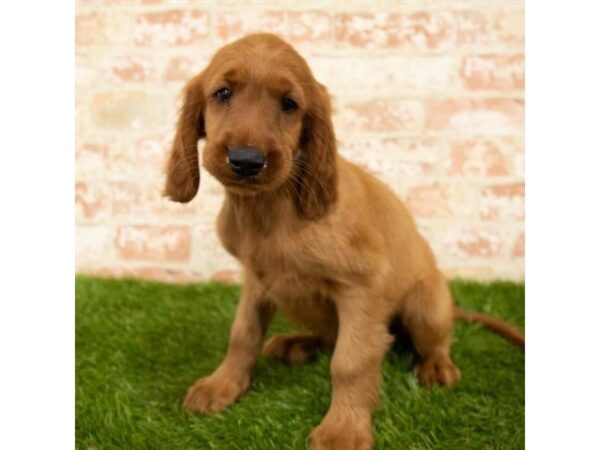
x=246 y=161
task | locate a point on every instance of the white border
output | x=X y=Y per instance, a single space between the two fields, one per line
x=37 y=225
x=563 y=225
x=36 y=238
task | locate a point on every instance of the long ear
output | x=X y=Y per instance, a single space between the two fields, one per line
x=183 y=173
x=317 y=188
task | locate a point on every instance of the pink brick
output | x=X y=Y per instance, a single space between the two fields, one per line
x=153 y=243
x=127 y=198
x=519 y=165
x=151 y=151
x=428 y=201
x=454 y=243
x=125 y=156
x=410 y=168
x=162 y=274
x=99 y=200
x=510 y=27
x=85 y=70
x=179 y=68
x=394 y=157
x=174 y=27
x=503 y=202
x=498 y=72
x=107 y=26
x=232 y=25
x=128 y=68
x=227 y=276
x=457 y=162
x=114 y=69
x=518 y=249
x=477 y=157
x=122 y=2
x=419 y=31
x=92 y=200
x=474 y=242
x=491 y=116
x=90 y=29
x=93 y=244
x=92 y=158
x=162 y=207
x=310 y=27
x=297 y=27
x=382 y=115
x=386 y=74
x=477 y=29
x=507 y=190
x=183 y=67
x=126 y=111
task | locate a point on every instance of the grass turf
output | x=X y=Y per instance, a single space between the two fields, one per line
x=139 y=345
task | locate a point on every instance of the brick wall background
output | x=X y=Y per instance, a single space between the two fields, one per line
x=429 y=96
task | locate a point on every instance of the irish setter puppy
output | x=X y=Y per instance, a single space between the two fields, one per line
x=320 y=239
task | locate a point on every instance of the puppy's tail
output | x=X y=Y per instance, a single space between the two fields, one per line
x=498 y=326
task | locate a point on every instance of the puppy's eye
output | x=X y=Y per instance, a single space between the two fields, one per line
x=223 y=95
x=287 y=104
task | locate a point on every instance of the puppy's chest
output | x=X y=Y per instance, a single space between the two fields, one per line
x=303 y=295
x=286 y=269
x=284 y=272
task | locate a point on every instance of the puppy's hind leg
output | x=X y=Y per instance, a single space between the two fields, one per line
x=429 y=318
x=293 y=348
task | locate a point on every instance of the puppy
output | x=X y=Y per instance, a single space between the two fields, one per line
x=320 y=239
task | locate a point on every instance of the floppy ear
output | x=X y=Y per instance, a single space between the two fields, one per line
x=317 y=188
x=183 y=173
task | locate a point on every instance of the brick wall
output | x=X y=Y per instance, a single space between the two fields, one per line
x=429 y=96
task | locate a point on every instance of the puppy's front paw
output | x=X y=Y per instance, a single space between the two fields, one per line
x=342 y=432
x=215 y=393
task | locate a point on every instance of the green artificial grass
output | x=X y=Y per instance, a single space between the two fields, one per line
x=139 y=345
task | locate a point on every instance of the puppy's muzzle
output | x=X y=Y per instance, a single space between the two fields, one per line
x=246 y=161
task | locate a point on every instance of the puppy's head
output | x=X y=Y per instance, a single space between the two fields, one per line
x=267 y=122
